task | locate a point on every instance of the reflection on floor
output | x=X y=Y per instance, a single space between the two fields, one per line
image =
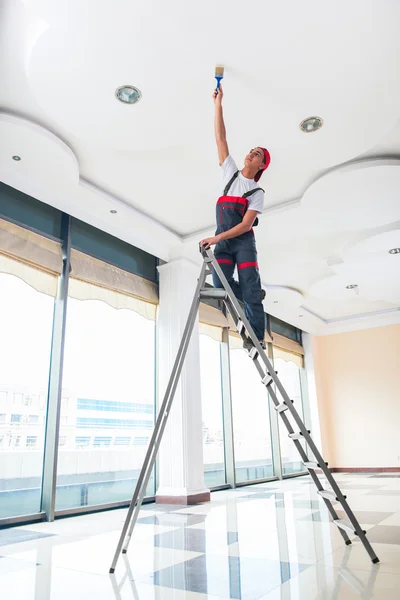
x=272 y=541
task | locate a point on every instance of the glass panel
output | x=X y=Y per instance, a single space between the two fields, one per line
x=107 y=413
x=112 y=250
x=29 y=212
x=26 y=320
x=251 y=424
x=289 y=374
x=211 y=402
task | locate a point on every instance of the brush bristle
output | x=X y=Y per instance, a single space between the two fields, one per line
x=219 y=71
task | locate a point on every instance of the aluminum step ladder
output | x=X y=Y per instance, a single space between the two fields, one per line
x=282 y=404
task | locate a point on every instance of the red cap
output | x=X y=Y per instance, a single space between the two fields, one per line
x=267 y=160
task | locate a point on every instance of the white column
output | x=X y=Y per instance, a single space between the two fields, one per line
x=180 y=459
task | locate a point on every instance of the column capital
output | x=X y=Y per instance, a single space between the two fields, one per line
x=180 y=263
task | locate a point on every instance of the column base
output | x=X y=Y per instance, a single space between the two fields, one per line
x=185 y=499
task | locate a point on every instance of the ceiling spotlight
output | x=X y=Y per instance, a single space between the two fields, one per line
x=16 y=157
x=113 y=212
x=311 y=124
x=352 y=286
x=300 y=315
x=275 y=301
x=394 y=251
x=128 y=94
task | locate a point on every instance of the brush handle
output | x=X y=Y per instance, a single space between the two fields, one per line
x=218 y=82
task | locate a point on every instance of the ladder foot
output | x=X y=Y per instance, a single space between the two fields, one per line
x=348 y=542
x=124 y=551
x=112 y=570
x=375 y=560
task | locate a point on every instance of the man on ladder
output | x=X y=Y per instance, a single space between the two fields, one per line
x=236 y=215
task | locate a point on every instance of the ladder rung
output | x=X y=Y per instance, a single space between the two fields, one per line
x=267 y=380
x=346 y=525
x=253 y=353
x=213 y=293
x=281 y=407
x=297 y=436
x=240 y=327
x=311 y=465
x=331 y=496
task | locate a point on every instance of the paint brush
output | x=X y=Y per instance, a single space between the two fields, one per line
x=219 y=74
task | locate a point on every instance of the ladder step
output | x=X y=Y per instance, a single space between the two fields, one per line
x=346 y=525
x=267 y=380
x=328 y=495
x=213 y=293
x=311 y=465
x=240 y=327
x=281 y=407
x=297 y=436
x=253 y=353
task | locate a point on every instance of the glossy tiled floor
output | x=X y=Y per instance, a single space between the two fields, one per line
x=272 y=541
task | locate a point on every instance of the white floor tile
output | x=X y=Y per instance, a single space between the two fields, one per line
x=74 y=562
x=357 y=558
x=321 y=582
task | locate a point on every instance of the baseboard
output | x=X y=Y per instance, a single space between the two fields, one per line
x=364 y=469
x=191 y=499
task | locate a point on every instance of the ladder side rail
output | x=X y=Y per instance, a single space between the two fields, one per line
x=163 y=413
x=312 y=473
x=324 y=468
x=332 y=482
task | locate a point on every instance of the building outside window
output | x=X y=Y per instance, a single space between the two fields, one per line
x=211 y=401
x=251 y=421
x=26 y=317
x=109 y=363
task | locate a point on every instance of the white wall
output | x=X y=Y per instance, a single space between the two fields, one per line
x=357 y=376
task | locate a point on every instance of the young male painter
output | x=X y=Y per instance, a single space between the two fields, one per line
x=237 y=211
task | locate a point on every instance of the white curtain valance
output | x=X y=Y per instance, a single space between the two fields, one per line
x=93 y=279
x=285 y=343
x=212 y=316
x=81 y=290
x=211 y=331
x=40 y=280
x=30 y=248
x=289 y=357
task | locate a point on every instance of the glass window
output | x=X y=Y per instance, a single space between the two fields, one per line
x=26 y=318
x=108 y=385
x=3 y=418
x=289 y=375
x=82 y=441
x=122 y=441
x=31 y=441
x=251 y=424
x=141 y=440
x=211 y=403
x=101 y=440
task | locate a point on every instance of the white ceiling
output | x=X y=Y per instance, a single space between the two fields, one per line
x=83 y=152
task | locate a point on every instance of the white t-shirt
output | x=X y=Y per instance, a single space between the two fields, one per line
x=241 y=185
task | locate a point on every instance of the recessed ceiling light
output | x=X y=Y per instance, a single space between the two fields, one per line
x=394 y=251
x=300 y=315
x=275 y=301
x=352 y=286
x=17 y=158
x=113 y=212
x=311 y=124
x=128 y=94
